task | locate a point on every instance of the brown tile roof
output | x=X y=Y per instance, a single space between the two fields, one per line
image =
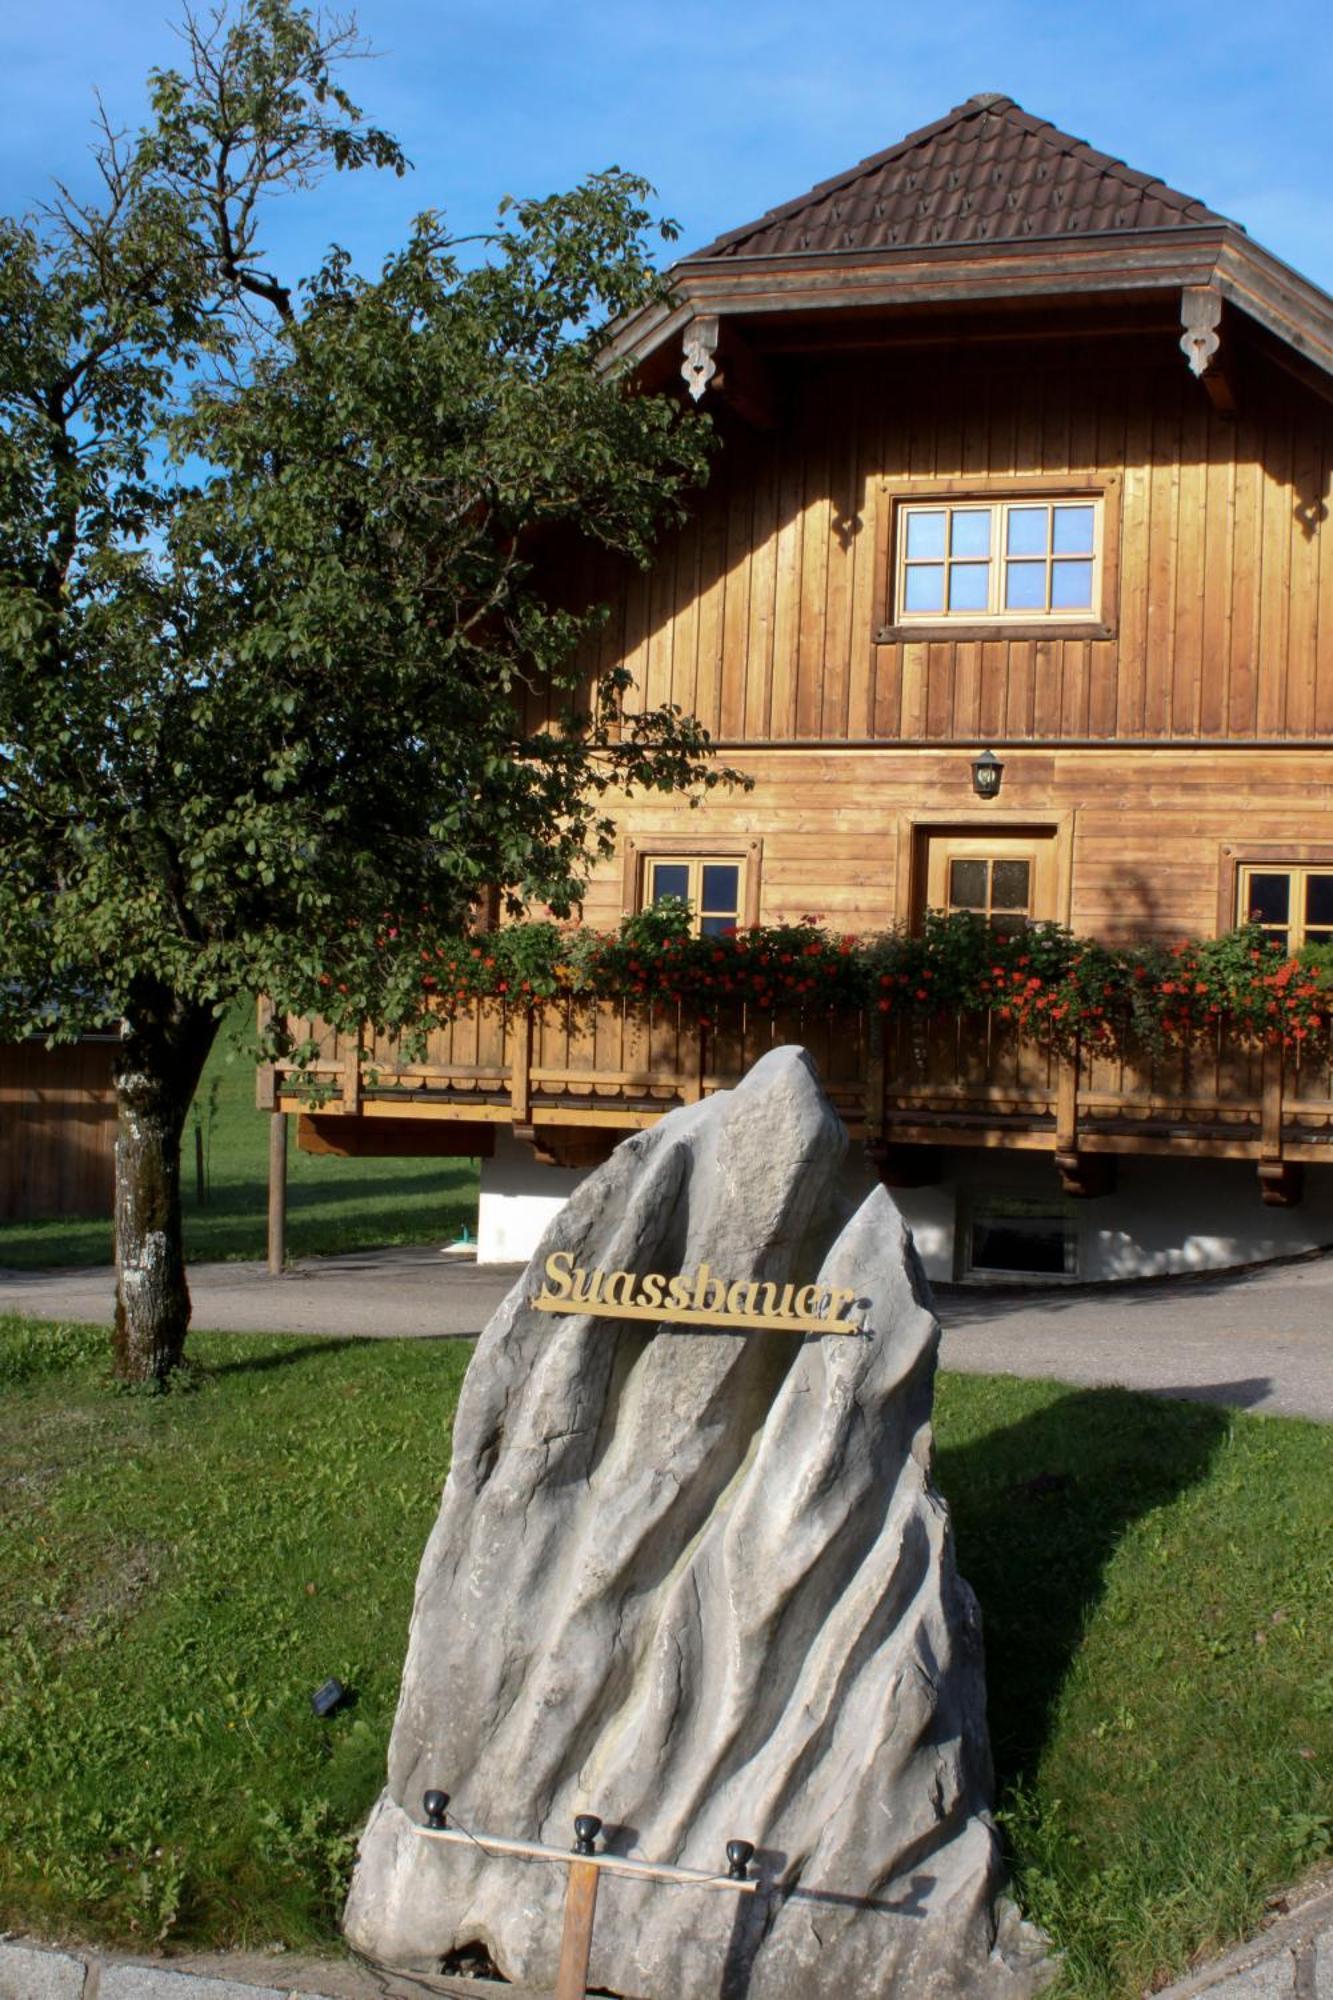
x=988 y=172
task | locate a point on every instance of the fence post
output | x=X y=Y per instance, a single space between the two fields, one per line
x=277 y=1193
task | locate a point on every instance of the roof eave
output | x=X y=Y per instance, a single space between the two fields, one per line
x=1165 y=258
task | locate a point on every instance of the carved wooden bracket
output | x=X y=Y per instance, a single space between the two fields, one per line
x=720 y=360
x=700 y=363
x=1084 y=1176
x=574 y=1146
x=907 y=1166
x=1201 y=341
x=1281 y=1183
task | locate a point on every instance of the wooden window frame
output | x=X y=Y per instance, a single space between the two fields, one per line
x=943 y=627
x=746 y=853
x=1058 y=828
x=1271 y=857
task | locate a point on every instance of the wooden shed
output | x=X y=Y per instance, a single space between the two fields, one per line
x=57 y=1128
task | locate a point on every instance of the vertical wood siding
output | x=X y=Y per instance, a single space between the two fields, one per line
x=759 y=615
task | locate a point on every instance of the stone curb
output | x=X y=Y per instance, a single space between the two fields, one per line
x=30 y=1971
x=1291 y=1960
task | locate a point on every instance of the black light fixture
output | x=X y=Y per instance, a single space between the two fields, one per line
x=987 y=771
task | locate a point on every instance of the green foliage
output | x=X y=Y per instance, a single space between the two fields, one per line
x=1042 y=979
x=270 y=628
x=161 y=1774
x=333 y=1205
x=285 y=633
x=1153 y=1578
x=31 y=1349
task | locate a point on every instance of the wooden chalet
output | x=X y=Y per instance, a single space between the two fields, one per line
x=1023 y=452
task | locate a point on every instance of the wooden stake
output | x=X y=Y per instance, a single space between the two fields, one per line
x=277 y=1193
x=571 y=1981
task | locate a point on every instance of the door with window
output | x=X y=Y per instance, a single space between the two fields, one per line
x=1009 y=879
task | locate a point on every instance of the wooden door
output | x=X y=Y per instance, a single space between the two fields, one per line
x=1010 y=879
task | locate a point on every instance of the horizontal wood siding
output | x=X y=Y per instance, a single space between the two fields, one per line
x=759 y=616
x=1145 y=834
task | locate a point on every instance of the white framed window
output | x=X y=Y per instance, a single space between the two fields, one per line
x=1018 y=561
x=1294 y=905
x=712 y=884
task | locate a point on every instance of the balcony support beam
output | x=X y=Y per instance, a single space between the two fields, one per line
x=1281 y=1181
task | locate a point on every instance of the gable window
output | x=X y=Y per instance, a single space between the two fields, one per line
x=1015 y=560
x=1294 y=905
x=712 y=885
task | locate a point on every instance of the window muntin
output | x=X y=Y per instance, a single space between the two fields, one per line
x=1014 y=560
x=712 y=885
x=1293 y=905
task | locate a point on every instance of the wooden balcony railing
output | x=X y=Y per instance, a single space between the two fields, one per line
x=574 y=1075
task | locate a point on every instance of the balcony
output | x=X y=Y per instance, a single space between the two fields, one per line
x=573 y=1076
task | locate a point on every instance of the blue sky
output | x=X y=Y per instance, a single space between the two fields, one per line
x=729 y=108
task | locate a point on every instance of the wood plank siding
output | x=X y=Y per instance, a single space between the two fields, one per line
x=1147 y=843
x=1184 y=721
x=760 y=616
x=57 y=1129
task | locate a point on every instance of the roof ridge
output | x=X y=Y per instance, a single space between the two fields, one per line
x=984 y=104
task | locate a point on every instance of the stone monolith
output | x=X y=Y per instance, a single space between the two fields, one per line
x=701 y=1584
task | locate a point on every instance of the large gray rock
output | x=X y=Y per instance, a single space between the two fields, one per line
x=700 y=1583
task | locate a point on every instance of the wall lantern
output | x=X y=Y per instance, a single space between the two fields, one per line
x=987 y=771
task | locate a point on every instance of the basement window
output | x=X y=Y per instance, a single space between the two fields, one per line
x=1015 y=1239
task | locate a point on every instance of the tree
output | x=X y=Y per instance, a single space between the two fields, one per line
x=279 y=569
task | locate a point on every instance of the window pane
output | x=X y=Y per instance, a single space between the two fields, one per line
x=1009 y=885
x=969 y=586
x=1071 y=586
x=1025 y=586
x=1319 y=899
x=970 y=534
x=671 y=878
x=719 y=889
x=923 y=588
x=1071 y=531
x=1268 y=898
x=717 y=926
x=1027 y=531
x=925 y=534
x=967 y=885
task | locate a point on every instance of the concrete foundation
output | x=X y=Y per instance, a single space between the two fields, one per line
x=1164 y=1216
x=519 y=1198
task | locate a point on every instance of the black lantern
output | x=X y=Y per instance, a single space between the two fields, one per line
x=987 y=771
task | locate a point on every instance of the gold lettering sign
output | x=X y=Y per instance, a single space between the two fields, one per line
x=698 y=1299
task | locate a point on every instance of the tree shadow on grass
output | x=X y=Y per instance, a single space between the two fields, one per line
x=1039 y=1508
x=302 y=1347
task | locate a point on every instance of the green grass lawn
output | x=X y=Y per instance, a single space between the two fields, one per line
x=179 y=1573
x=332 y=1205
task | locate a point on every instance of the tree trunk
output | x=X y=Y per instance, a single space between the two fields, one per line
x=157 y=1070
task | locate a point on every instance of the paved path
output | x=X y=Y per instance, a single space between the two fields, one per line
x=1257 y=1340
